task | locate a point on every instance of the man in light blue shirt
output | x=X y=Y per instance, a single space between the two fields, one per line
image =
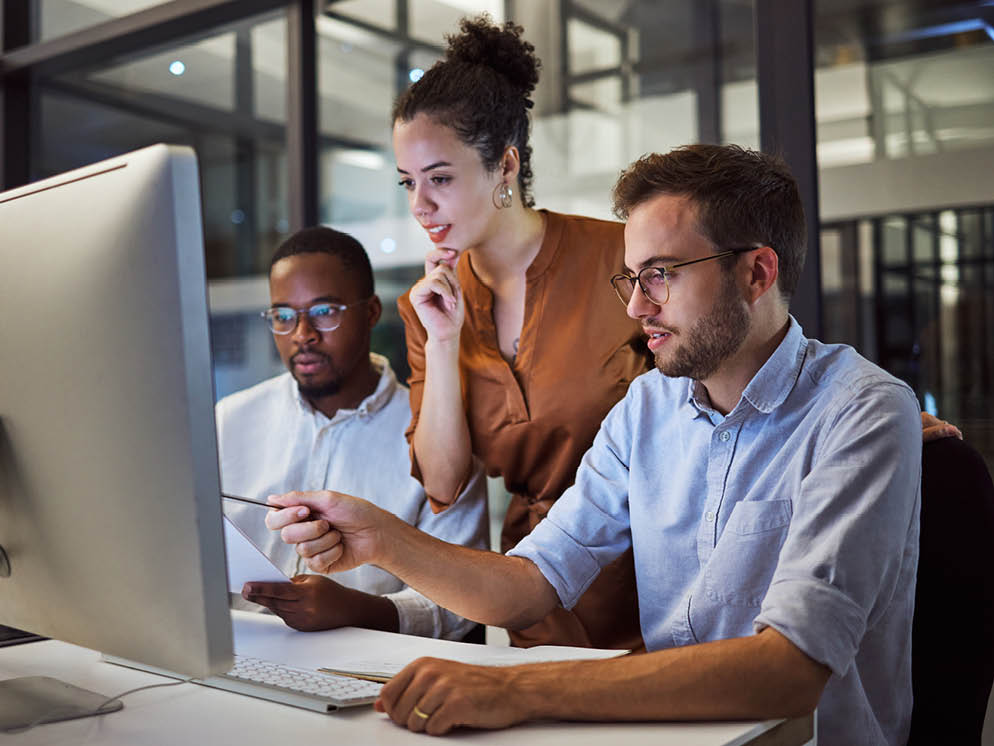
x=767 y=483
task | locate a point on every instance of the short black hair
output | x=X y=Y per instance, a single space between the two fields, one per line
x=481 y=89
x=324 y=240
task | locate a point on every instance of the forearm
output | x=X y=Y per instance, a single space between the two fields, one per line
x=441 y=440
x=314 y=602
x=751 y=678
x=482 y=586
x=374 y=612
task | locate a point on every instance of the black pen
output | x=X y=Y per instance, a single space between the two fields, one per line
x=250 y=501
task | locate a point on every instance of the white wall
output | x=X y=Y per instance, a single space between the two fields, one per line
x=949 y=179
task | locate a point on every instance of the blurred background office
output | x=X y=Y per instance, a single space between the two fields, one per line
x=287 y=104
x=884 y=108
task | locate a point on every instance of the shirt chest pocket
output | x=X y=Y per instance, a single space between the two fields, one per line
x=741 y=567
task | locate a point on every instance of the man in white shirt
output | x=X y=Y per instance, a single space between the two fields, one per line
x=335 y=420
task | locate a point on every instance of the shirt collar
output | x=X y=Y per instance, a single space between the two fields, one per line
x=551 y=240
x=369 y=406
x=772 y=383
x=775 y=380
x=481 y=297
x=697 y=399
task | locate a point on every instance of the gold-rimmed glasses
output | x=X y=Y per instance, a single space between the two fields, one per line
x=655 y=281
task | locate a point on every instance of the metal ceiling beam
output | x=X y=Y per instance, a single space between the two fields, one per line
x=198 y=117
x=132 y=34
x=599 y=22
x=401 y=37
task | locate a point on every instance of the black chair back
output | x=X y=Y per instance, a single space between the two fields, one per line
x=953 y=630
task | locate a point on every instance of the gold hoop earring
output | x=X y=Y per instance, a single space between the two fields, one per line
x=502 y=196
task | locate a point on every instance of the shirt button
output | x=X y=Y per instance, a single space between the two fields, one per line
x=724 y=436
x=709 y=517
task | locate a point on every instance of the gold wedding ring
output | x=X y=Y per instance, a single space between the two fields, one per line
x=422 y=715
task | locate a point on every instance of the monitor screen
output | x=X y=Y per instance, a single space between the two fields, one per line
x=110 y=511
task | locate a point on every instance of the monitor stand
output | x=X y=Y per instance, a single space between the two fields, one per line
x=34 y=700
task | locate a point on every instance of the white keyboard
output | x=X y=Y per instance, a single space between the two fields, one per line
x=299 y=687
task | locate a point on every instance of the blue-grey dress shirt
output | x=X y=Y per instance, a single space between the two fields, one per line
x=798 y=511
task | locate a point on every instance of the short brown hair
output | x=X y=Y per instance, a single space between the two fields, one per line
x=743 y=198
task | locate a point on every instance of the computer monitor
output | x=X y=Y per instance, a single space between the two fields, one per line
x=110 y=510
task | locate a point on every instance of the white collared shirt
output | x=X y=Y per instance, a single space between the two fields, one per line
x=271 y=441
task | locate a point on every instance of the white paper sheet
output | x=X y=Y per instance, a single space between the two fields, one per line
x=370 y=651
x=390 y=661
x=246 y=562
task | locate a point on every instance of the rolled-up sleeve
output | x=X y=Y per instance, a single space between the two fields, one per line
x=853 y=535
x=420 y=616
x=588 y=527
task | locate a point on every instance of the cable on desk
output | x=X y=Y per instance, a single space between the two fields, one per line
x=98 y=710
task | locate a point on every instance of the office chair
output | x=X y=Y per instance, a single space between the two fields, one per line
x=952 y=657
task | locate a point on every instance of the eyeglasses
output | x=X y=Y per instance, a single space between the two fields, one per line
x=655 y=281
x=323 y=317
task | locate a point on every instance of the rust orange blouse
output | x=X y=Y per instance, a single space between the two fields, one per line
x=532 y=423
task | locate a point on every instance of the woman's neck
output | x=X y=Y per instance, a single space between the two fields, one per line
x=512 y=249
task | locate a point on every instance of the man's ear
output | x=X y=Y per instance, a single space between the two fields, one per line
x=764 y=269
x=375 y=310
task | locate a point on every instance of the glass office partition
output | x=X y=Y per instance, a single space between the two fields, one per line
x=617 y=80
x=920 y=303
x=52 y=18
x=430 y=19
x=224 y=95
x=908 y=82
x=381 y=14
x=905 y=118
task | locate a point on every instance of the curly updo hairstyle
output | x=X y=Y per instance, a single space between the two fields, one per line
x=481 y=89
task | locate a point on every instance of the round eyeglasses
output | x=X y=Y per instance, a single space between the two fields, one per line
x=655 y=281
x=323 y=317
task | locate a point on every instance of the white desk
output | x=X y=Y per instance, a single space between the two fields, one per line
x=192 y=714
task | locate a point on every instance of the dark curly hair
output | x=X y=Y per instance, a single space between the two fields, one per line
x=481 y=89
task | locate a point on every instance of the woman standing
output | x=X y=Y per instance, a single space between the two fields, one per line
x=517 y=344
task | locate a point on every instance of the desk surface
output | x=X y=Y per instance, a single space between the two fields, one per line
x=189 y=713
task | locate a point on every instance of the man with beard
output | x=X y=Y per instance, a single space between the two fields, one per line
x=335 y=420
x=767 y=483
